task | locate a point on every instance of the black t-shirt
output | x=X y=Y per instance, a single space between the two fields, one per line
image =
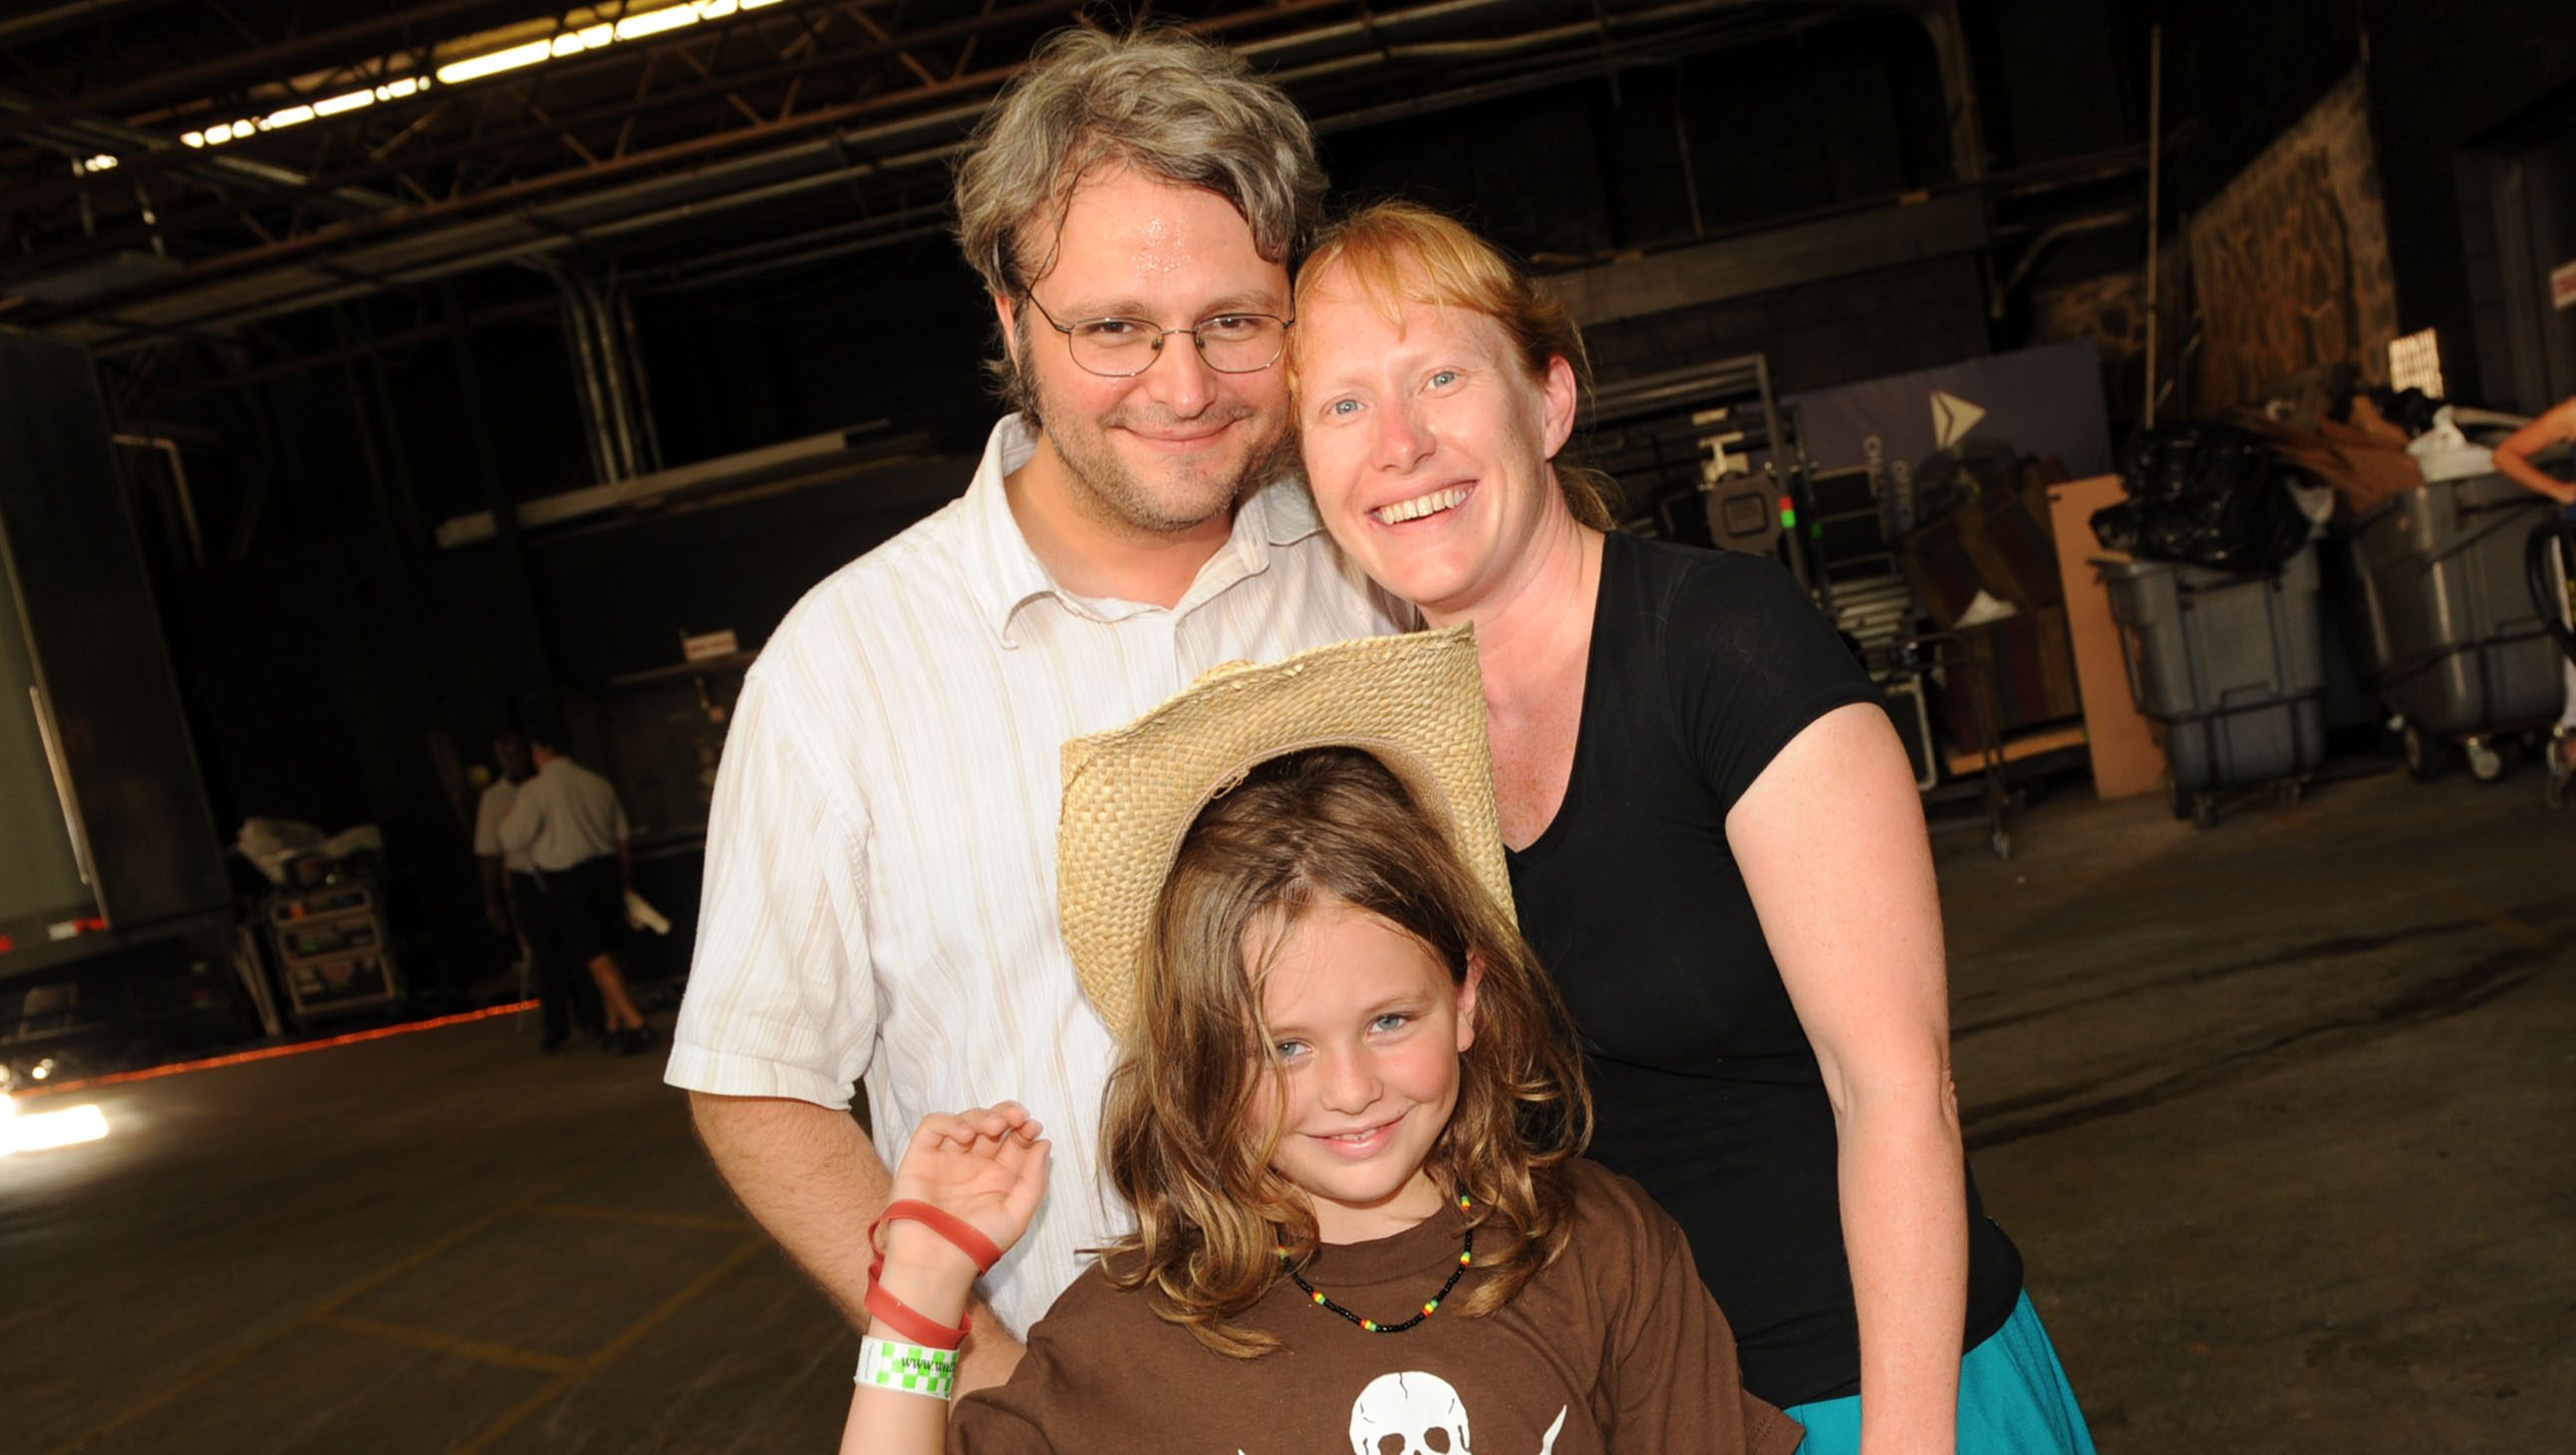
x=1704 y=666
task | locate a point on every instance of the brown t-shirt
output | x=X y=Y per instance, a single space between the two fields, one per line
x=1617 y=1347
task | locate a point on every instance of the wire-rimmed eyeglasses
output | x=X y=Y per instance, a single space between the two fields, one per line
x=1122 y=348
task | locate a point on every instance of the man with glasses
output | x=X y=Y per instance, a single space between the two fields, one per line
x=880 y=880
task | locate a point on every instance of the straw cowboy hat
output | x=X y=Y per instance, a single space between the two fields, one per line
x=1415 y=702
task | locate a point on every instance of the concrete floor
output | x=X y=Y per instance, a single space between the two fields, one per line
x=2279 y=1113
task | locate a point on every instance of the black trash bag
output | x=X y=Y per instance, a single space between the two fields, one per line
x=2409 y=409
x=2205 y=494
x=1951 y=479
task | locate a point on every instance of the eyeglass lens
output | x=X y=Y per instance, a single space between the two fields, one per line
x=1232 y=343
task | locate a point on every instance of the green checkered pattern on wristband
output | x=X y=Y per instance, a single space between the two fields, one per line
x=884 y=1364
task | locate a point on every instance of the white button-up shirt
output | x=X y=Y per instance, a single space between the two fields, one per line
x=489 y=810
x=565 y=815
x=880 y=873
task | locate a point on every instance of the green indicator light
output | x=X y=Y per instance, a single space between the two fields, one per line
x=1788 y=513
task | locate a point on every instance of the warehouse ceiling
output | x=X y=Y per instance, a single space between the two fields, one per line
x=177 y=170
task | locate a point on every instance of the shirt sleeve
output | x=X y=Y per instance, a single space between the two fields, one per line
x=524 y=821
x=781 y=999
x=1087 y=1367
x=1671 y=1362
x=1750 y=662
x=487 y=824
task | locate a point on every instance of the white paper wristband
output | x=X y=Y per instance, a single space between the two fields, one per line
x=906 y=1368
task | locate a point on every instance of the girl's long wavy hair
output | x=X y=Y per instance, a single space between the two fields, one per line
x=1322 y=825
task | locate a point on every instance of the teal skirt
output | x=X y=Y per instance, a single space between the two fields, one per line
x=2013 y=1400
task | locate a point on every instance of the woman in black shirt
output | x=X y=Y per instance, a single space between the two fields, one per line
x=1717 y=849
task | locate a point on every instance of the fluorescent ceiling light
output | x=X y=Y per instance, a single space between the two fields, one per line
x=494 y=62
x=570 y=39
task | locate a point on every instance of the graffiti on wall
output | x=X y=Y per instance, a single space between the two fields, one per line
x=2289 y=262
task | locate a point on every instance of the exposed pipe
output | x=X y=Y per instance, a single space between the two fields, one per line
x=585 y=378
x=2055 y=234
x=955 y=119
x=2155 y=178
x=160 y=152
x=711 y=144
x=1940 y=22
x=260 y=62
x=18 y=30
x=505 y=511
x=634 y=354
x=614 y=372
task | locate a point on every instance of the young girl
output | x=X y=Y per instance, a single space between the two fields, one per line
x=1348 y=1119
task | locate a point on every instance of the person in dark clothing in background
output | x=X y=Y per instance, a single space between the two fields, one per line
x=567 y=820
x=515 y=903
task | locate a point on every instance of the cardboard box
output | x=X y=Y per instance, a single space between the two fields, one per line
x=2364 y=463
x=2127 y=760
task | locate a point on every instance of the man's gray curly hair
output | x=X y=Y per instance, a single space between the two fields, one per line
x=1160 y=101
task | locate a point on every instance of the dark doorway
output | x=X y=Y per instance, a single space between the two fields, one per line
x=2526 y=172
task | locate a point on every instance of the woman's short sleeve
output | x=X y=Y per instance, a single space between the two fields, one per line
x=1750 y=662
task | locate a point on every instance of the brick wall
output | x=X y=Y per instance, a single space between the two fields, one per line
x=2289 y=260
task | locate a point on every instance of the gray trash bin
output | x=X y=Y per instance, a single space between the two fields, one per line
x=2442 y=625
x=2231 y=668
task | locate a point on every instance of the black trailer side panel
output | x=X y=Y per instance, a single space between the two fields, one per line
x=120 y=739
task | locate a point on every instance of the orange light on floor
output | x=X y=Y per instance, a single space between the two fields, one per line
x=271 y=1053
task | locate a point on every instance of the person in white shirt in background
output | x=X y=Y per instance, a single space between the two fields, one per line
x=880 y=873
x=568 y=822
x=515 y=903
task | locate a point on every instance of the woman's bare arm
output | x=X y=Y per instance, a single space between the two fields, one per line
x=2513 y=457
x=1831 y=841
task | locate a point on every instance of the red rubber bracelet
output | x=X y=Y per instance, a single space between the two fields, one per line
x=915 y=1326
x=906 y=1320
x=961 y=1234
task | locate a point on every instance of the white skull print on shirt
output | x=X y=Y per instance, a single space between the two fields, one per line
x=1414 y=1413
x=1409 y=1414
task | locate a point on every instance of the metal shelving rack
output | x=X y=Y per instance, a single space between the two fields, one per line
x=334 y=953
x=1706 y=455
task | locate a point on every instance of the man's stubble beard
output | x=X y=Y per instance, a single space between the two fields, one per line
x=1110 y=491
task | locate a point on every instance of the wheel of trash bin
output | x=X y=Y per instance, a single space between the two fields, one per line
x=2204 y=811
x=2002 y=844
x=2179 y=801
x=2485 y=763
x=2291 y=792
x=2425 y=758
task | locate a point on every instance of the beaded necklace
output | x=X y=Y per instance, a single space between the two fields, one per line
x=1466 y=1258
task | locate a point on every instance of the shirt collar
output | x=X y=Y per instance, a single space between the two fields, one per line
x=1277 y=516
x=1011 y=575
